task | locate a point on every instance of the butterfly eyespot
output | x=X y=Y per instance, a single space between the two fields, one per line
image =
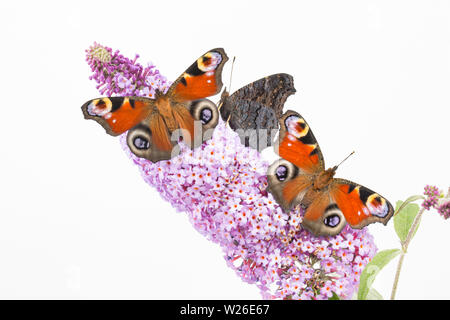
x=332 y=221
x=139 y=140
x=205 y=115
x=99 y=107
x=141 y=143
x=377 y=206
x=281 y=173
x=205 y=111
x=209 y=61
x=296 y=126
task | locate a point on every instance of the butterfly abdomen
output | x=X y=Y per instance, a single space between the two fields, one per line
x=165 y=110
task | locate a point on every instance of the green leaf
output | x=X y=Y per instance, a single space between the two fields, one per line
x=370 y=272
x=374 y=295
x=334 y=297
x=405 y=218
x=407 y=201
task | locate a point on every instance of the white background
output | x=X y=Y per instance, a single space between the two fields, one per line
x=77 y=220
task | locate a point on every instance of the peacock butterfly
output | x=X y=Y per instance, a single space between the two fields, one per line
x=151 y=123
x=300 y=178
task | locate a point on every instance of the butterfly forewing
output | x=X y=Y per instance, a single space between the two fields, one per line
x=118 y=114
x=253 y=110
x=202 y=79
x=298 y=145
x=360 y=205
x=271 y=91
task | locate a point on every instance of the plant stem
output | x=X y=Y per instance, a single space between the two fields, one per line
x=397 y=275
x=404 y=250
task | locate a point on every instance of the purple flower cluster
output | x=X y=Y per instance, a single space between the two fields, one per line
x=435 y=199
x=444 y=206
x=431 y=201
x=222 y=188
x=116 y=74
x=444 y=209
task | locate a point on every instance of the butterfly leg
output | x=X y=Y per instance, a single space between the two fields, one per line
x=228 y=120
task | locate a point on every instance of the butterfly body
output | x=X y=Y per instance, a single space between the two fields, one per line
x=300 y=178
x=165 y=109
x=323 y=179
x=153 y=124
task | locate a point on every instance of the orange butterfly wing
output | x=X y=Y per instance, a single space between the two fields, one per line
x=302 y=159
x=202 y=79
x=298 y=145
x=318 y=206
x=117 y=114
x=360 y=205
x=295 y=186
x=322 y=216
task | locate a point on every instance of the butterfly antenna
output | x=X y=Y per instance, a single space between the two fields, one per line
x=231 y=73
x=345 y=159
x=225 y=92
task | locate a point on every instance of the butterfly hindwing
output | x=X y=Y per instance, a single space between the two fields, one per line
x=195 y=120
x=360 y=205
x=150 y=139
x=117 y=114
x=322 y=216
x=256 y=124
x=202 y=79
x=206 y=115
x=287 y=183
